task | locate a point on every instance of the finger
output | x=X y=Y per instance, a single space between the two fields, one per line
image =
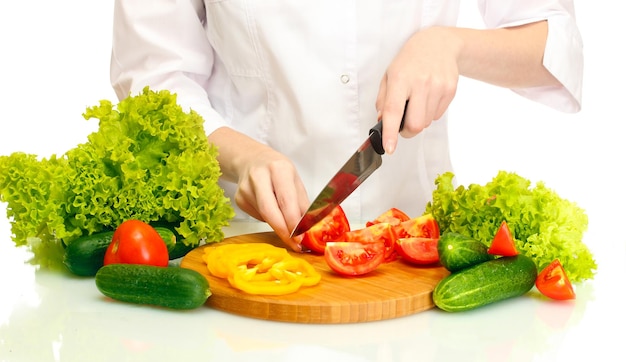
x=292 y=201
x=445 y=101
x=282 y=207
x=415 y=113
x=392 y=113
x=244 y=198
x=439 y=98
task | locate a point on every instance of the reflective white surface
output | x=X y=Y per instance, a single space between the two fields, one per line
x=56 y=317
x=55 y=64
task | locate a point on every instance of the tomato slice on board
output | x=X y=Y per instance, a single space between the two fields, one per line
x=382 y=232
x=328 y=229
x=503 y=243
x=422 y=251
x=553 y=282
x=392 y=216
x=351 y=258
x=136 y=242
x=424 y=226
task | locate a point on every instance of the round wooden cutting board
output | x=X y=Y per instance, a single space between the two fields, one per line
x=393 y=290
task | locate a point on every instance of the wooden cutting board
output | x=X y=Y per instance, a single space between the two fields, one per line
x=393 y=290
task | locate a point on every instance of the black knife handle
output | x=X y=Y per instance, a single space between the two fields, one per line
x=376 y=133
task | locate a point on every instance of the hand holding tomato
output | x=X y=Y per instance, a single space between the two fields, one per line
x=135 y=242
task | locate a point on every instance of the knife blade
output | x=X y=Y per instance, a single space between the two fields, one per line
x=351 y=175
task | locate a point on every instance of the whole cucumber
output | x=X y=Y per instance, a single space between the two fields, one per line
x=485 y=283
x=85 y=255
x=457 y=251
x=170 y=287
x=177 y=248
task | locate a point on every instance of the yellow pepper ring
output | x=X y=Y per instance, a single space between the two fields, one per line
x=260 y=268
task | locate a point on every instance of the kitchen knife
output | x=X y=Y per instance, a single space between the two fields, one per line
x=359 y=167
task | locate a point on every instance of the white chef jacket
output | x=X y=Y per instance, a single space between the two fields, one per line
x=302 y=77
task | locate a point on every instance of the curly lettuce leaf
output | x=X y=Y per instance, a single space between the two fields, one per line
x=544 y=225
x=148 y=160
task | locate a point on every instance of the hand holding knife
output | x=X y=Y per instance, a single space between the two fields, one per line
x=351 y=175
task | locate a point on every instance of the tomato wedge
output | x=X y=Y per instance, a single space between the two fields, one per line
x=503 y=243
x=424 y=226
x=422 y=251
x=351 y=258
x=553 y=282
x=328 y=229
x=382 y=232
x=392 y=216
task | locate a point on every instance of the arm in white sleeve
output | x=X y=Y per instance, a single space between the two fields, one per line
x=162 y=44
x=563 y=55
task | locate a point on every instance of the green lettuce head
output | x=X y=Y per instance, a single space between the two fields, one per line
x=148 y=160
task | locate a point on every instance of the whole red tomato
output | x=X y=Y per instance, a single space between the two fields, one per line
x=135 y=242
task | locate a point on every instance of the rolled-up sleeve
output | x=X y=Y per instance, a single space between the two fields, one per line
x=162 y=44
x=563 y=54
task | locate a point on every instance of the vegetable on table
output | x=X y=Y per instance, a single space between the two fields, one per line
x=260 y=268
x=424 y=226
x=545 y=226
x=169 y=287
x=354 y=258
x=347 y=252
x=382 y=232
x=485 y=283
x=503 y=243
x=417 y=239
x=457 y=251
x=553 y=282
x=149 y=160
x=328 y=229
x=136 y=242
x=85 y=255
x=393 y=216
x=417 y=250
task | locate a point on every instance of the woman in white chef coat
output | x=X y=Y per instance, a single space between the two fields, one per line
x=289 y=88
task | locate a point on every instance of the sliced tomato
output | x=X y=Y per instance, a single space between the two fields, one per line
x=328 y=229
x=424 y=226
x=372 y=234
x=421 y=251
x=503 y=243
x=392 y=216
x=350 y=258
x=553 y=282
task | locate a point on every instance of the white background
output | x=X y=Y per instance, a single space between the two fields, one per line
x=54 y=63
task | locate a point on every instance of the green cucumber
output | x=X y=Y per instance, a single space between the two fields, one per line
x=169 y=287
x=458 y=251
x=486 y=283
x=85 y=255
x=179 y=248
x=168 y=236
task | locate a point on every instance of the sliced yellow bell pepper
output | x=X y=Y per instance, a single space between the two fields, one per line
x=260 y=268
